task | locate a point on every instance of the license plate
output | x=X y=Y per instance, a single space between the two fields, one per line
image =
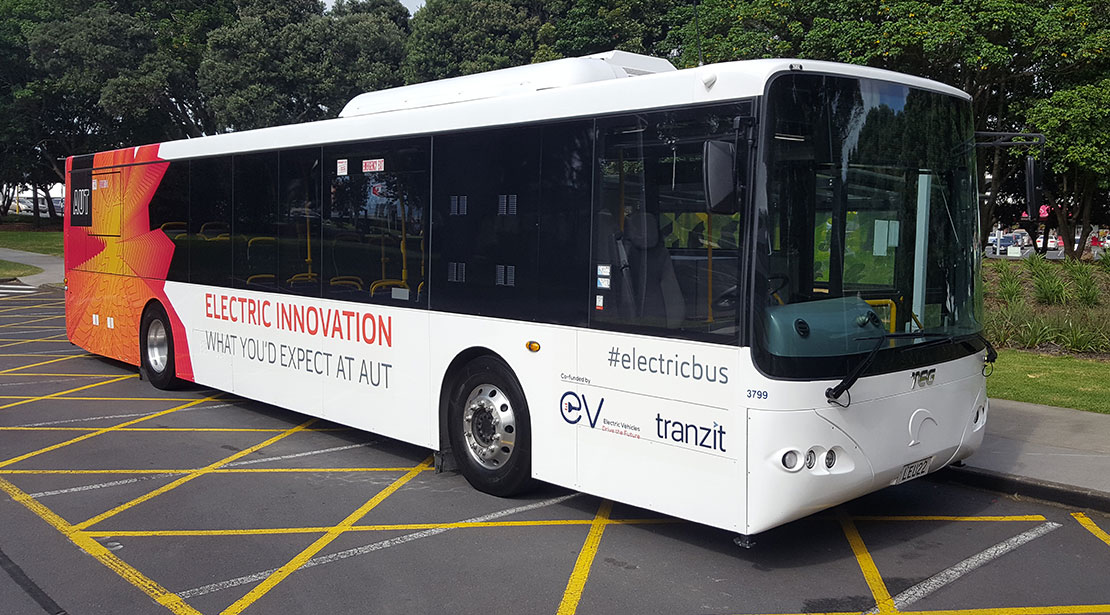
x=911 y=471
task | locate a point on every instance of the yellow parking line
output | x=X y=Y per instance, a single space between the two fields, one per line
x=1091 y=527
x=184 y=479
x=949 y=518
x=55 y=447
x=370 y=528
x=1072 y=609
x=77 y=398
x=573 y=593
x=871 y=574
x=148 y=586
x=47 y=362
x=282 y=573
x=60 y=393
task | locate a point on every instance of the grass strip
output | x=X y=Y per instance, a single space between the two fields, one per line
x=9 y=269
x=42 y=242
x=1053 y=380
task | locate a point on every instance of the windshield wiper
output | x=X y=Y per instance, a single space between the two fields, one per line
x=833 y=394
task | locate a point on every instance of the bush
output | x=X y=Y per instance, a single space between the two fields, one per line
x=1082 y=275
x=1051 y=289
x=1038 y=266
x=1035 y=332
x=1081 y=337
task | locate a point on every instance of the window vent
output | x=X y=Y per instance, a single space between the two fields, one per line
x=458 y=205
x=456 y=272
x=506 y=275
x=506 y=204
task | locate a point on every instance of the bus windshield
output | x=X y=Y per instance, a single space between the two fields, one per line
x=871 y=225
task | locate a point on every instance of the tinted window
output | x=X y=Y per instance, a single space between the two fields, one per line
x=663 y=261
x=256 y=221
x=209 y=236
x=374 y=222
x=564 y=223
x=169 y=212
x=299 y=222
x=486 y=187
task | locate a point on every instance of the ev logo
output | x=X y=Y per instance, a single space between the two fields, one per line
x=572 y=405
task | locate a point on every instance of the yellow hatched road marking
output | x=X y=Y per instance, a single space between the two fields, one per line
x=191 y=470
x=15 y=341
x=282 y=573
x=949 y=518
x=79 y=398
x=195 y=474
x=55 y=447
x=375 y=528
x=573 y=593
x=178 y=429
x=47 y=362
x=31 y=307
x=39 y=356
x=45 y=375
x=1091 y=527
x=871 y=574
x=60 y=393
x=28 y=322
x=148 y=586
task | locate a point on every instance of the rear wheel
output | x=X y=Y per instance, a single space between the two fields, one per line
x=156 y=348
x=489 y=428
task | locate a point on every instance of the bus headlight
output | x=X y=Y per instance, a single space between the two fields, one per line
x=811 y=459
x=790 y=460
x=830 y=459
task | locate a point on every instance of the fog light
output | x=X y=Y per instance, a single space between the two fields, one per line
x=830 y=459
x=811 y=459
x=789 y=460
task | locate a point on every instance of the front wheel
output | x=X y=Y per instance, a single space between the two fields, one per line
x=156 y=348
x=489 y=428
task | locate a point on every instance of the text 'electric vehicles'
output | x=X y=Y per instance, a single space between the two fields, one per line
x=737 y=294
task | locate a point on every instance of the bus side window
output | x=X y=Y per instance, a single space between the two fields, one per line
x=299 y=234
x=662 y=261
x=374 y=239
x=256 y=221
x=209 y=236
x=169 y=212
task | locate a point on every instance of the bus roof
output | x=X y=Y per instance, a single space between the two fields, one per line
x=602 y=84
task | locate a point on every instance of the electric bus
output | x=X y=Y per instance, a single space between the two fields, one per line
x=737 y=294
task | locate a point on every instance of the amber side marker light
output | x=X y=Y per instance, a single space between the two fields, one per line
x=533 y=346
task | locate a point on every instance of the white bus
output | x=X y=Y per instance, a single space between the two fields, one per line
x=737 y=294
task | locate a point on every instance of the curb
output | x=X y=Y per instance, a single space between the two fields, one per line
x=1067 y=495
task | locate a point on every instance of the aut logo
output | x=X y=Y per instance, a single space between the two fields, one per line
x=573 y=406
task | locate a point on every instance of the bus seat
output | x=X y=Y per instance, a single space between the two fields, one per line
x=655 y=289
x=213 y=229
x=174 y=229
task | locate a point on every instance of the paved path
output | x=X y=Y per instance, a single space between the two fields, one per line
x=53 y=269
x=1044 y=451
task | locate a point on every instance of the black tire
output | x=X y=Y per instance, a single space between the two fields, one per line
x=157 y=367
x=488 y=415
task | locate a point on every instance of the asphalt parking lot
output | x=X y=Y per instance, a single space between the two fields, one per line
x=119 y=498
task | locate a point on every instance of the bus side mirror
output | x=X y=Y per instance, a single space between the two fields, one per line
x=719 y=176
x=1034 y=186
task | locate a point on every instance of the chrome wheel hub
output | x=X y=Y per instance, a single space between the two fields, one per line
x=489 y=426
x=157 y=346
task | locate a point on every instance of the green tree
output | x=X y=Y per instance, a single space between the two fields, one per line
x=594 y=26
x=1005 y=53
x=1076 y=125
x=462 y=37
x=264 y=71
